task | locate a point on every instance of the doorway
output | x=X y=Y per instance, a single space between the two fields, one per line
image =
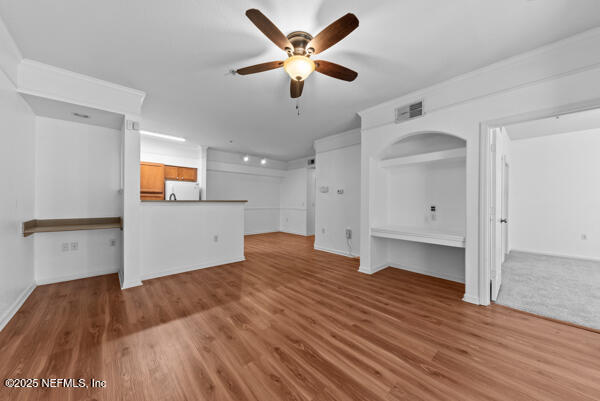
x=544 y=218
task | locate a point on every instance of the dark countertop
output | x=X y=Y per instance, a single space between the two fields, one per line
x=193 y=201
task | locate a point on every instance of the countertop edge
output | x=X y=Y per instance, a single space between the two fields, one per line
x=192 y=201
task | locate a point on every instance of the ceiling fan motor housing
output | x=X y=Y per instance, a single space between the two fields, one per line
x=300 y=39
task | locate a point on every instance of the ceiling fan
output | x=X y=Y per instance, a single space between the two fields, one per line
x=299 y=46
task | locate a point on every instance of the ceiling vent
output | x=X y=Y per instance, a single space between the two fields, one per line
x=408 y=112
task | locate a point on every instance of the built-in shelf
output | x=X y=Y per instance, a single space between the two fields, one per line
x=418 y=234
x=56 y=225
x=452 y=154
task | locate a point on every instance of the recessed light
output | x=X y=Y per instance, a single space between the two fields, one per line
x=80 y=115
x=246 y=158
x=263 y=161
x=163 y=136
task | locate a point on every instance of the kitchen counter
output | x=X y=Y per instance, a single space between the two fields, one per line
x=178 y=236
x=191 y=201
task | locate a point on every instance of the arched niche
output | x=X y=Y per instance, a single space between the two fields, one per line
x=422 y=142
x=420 y=212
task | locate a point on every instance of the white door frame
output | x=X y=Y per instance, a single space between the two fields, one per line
x=486 y=181
x=505 y=212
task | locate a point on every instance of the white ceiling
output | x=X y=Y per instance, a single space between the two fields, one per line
x=179 y=52
x=574 y=122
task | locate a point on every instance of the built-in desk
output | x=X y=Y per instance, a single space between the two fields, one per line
x=57 y=225
x=418 y=234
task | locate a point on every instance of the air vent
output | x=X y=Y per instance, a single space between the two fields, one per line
x=409 y=111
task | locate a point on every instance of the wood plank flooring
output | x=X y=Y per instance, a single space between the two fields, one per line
x=291 y=323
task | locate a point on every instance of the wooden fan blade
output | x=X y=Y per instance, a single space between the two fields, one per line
x=335 y=70
x=269 y=29
x=296 y=88
x=334 y=32
x=253 y=69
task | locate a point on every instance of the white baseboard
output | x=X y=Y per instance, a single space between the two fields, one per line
x=336 y=251
x=177 y=270
x=14 y=308
x=557 y=255
x=366 y=270
x=471 y=299
x=129 y=284
x=428 y=272
x=261 y=232
x=294 y=232
x=75 y=276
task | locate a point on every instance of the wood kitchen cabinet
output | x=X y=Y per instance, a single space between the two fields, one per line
x=171 y=173
x=152 y=181
x=181 y=173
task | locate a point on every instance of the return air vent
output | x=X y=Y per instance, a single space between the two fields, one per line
x=407 y=112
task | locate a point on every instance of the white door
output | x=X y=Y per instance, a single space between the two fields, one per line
x=496 y=213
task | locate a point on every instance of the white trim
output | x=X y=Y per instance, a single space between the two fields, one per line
x=131 y=284
x=261 y=232
x=16 y=305
x=557 y=255
x=336 y=251
x=83 y=77
x=295 y=233
x=470 y=299
x=507 y=62
x=366 y=270
x=177 y=270
x=338 y=141
x=232 y=168
x=75 y=276
x=427 y=272
x=64 y=99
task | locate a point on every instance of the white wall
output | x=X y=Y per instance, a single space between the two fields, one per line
x=77 y=175
x=293 y=201
x=277 y=197
x=338 y=167
x=555 y=194
x=261 y=192
x=178 y=237
x=17 y=162
x=558 y=77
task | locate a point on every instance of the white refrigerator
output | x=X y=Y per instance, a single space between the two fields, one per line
x=181 y=190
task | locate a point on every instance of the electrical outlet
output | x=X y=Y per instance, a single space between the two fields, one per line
x=340 y=191
x=348 y=233
x=216 y=238
x=74 y=246
x=584 y=236
x=65 y=247
x=113 y=242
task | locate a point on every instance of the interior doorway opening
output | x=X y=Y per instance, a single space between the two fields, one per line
x=544 y=231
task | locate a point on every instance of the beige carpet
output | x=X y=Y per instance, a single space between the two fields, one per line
x=560 y=288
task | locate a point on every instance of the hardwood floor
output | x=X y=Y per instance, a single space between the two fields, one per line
x=291 y=323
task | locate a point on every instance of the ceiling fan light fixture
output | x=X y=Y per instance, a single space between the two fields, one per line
x=299 y=67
